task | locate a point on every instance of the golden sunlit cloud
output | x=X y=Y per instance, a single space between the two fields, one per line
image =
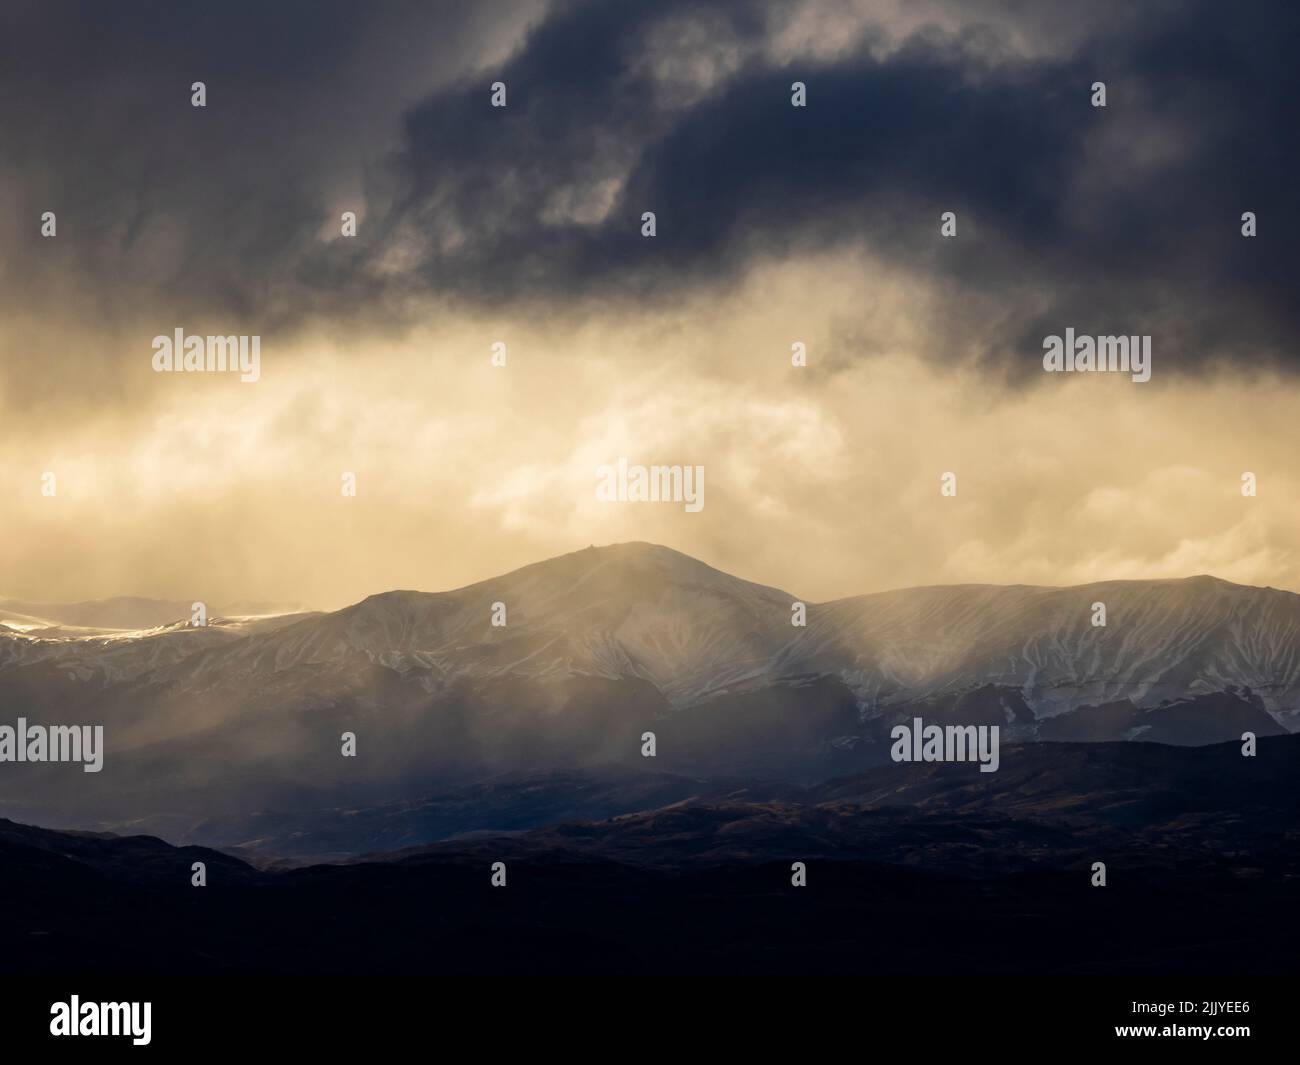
x=821 y=479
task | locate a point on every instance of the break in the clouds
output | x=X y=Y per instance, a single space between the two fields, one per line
x=1123 y=219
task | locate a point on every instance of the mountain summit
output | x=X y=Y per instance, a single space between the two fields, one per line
x=643 y=611
x=568 y=663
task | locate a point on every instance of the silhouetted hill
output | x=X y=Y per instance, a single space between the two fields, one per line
x=953 y=873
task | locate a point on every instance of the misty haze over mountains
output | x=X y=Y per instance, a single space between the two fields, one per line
x=229 y=734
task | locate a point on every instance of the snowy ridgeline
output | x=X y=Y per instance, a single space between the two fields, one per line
x=693 y=632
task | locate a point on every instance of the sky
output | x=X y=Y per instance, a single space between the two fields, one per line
x=522 y=225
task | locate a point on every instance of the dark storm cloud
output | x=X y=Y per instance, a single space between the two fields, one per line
x=738 y=173
x=98 y=128
x=1135 y=228
x=1117 y=220
x=214 y=212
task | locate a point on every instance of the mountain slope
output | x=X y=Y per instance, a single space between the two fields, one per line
x=1163 y=640
x=644 y=612
x=247 y=716
x=629 y=610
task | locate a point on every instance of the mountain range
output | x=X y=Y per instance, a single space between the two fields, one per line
x=213 y=733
